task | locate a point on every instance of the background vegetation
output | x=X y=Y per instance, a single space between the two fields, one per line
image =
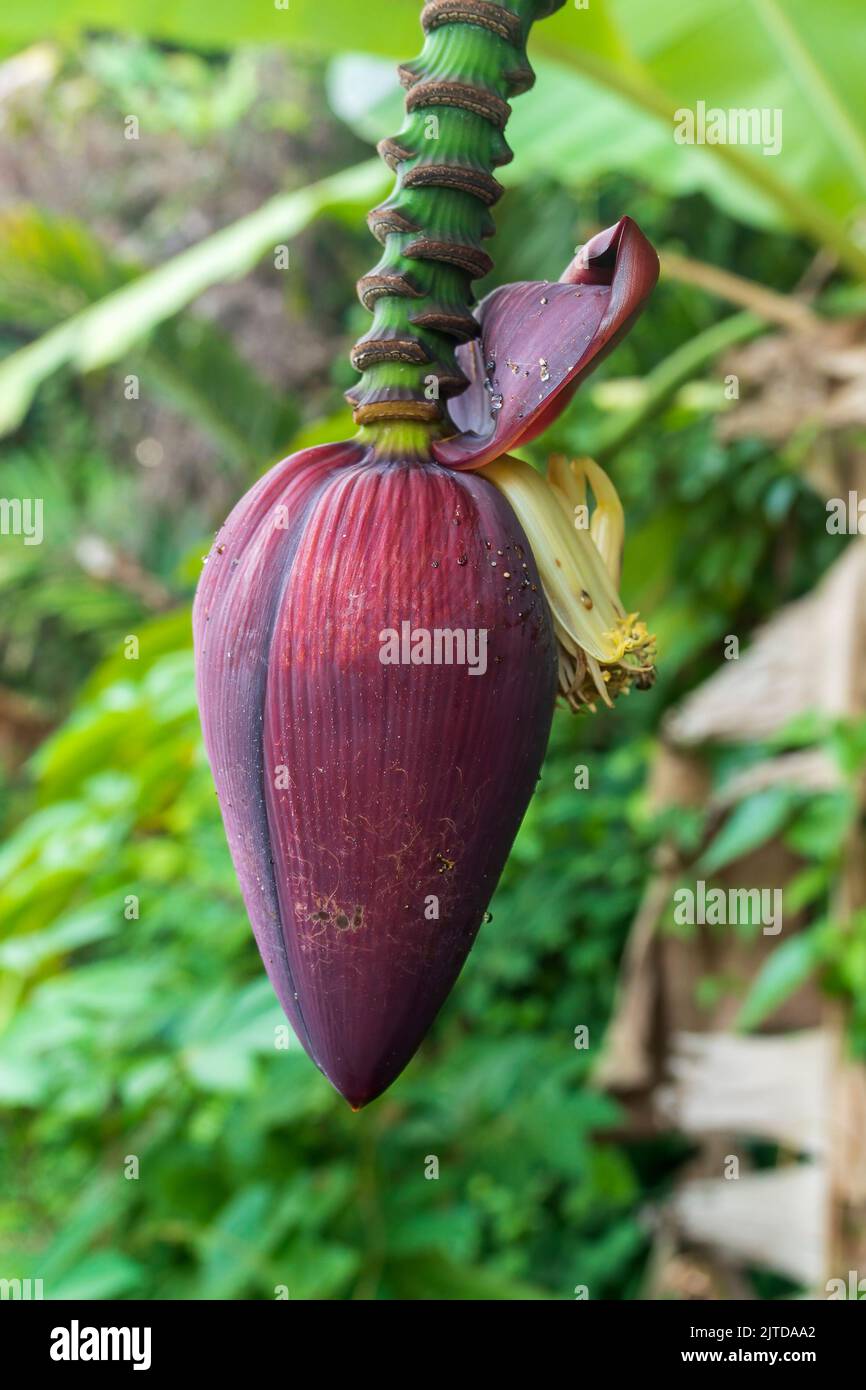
x=134 y=1015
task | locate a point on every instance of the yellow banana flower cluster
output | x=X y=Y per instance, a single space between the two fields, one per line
x=603 y=649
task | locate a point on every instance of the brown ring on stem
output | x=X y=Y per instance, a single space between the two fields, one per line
x=384 y=220
x=463 y=327
x=439 y=210
x=476 y=100
x=519 y=80
x=367 y=353
x=396 y=410
x=393 y=153
x=476 y=262
x=482 y=186
x=451 y=385
x=371 y=287
x=483 y=13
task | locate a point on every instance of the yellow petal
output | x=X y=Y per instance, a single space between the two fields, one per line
x=603 y=649
x=570 y=483
x=585 y=606
x=607 y=525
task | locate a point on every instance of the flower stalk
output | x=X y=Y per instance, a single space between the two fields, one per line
x=433 y=226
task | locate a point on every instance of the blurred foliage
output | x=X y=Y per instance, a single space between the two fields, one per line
x=146 y=304
x=624 y=68
x=135 y=1019
x=607 y=100
x=50 y=269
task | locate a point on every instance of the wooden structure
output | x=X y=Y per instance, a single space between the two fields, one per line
x=680 y=1066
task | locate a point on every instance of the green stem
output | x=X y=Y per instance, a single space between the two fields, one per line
x=433 y=225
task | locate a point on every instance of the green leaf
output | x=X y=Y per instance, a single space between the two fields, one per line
x=438 y=1278
x=104 y=1274
x=616 y=85
x=626 y=68
x=751 y=823
x=684 y=55
x=224 y=23
x=24 y=953
x=789 y=966
x=22 y=1082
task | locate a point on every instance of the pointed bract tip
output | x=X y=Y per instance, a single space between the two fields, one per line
x=539 y=340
